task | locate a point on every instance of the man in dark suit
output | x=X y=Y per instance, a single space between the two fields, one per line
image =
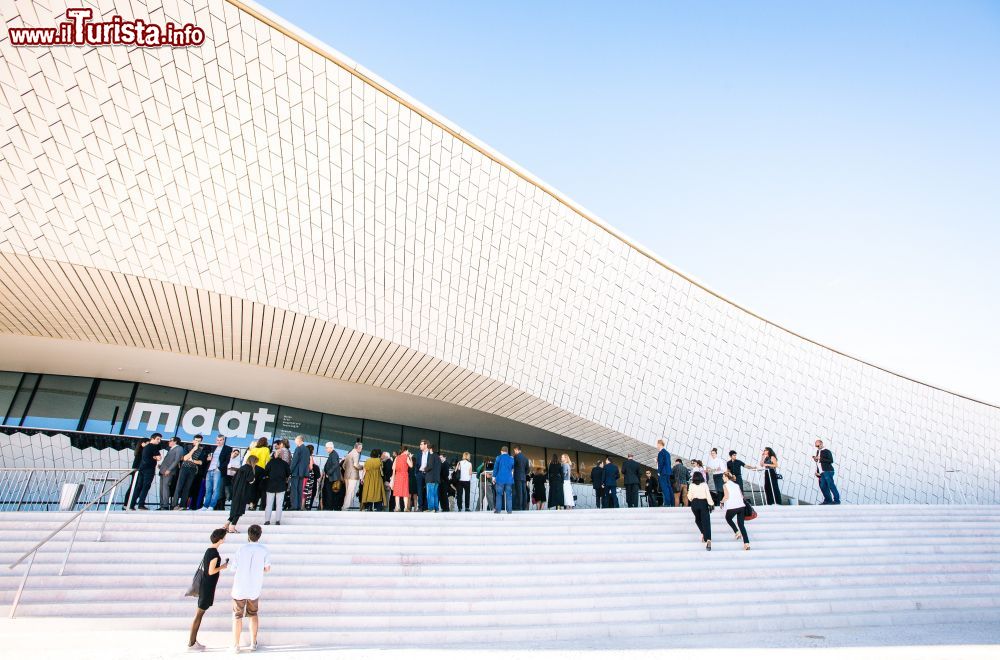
x=421 y=462
x=597 y=481
x=631 y=471
x=431 y=467
x=521 y=470
x=611 y=475
x=300 y=470
x=663 y=472
x=332 y=474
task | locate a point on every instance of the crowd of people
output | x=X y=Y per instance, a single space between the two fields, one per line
x=275 y=476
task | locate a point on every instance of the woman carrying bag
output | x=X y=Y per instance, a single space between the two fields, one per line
x=735 y=507
x=700 y=497
x=204 y=584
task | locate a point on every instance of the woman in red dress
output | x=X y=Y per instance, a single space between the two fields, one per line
x=401 y=479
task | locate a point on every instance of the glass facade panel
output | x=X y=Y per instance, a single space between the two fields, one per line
x=381 y=435
x=454 y=445
x=536 y=456
x=587 y=463
x=8 y=388
x=17 y=407
x=294 y=421
x=145 y=421
x=206 y=421
x=343 y=432
x=261 y=424
x=486 y=450
x=58 y=402
x=412 y=437
x=107 y=412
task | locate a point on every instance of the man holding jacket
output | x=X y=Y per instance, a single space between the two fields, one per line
x=300 y=470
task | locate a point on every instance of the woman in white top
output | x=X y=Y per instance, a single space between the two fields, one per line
x=464 y=481
x=701 y=498
x=735 y=506
x=567 y=470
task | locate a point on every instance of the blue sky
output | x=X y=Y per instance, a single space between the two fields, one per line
x=834 y=166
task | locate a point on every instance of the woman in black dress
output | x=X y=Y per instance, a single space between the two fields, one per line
x=555 y=474
x=538 y=488
x=212 y=565
x=769 y=461
x=244 y=492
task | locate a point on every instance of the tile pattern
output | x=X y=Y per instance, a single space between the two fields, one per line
x=254 y=170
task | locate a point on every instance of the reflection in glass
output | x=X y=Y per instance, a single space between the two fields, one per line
x=58 y=403
x=107 y=412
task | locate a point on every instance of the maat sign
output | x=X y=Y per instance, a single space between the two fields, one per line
x=199 y=421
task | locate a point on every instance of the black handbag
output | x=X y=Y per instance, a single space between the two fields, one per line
x=194 y=591
x=749 y=513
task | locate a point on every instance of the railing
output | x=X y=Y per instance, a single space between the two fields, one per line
x=76 y=517
x=40 y=489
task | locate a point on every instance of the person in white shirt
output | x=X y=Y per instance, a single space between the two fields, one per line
x=251 y=562
x=701 y=500
x=464 y=482
x=715 y=466
x=735 y=507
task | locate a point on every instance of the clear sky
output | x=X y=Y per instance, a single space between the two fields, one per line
x=834 y=166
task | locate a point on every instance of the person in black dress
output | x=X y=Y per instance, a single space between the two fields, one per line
x=538 y=488
x=212 y=565
x=556 y=499
x=769 y=461
x=244 y=492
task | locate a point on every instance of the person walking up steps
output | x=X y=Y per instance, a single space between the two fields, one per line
x=252 y=561
x=735 y=507
x=701 y=501
x=212 y=565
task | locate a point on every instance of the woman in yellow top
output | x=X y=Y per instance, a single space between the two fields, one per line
x=699 y=496
x=261 y=451
x=373 y=491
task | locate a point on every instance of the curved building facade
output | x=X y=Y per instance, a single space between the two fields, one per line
x=260 y=218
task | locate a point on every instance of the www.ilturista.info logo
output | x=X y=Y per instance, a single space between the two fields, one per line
x=80 y=30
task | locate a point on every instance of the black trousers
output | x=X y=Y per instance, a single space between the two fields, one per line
x=464 y=490
x=772 y=492
x=142 y=485
x=611 y=498
x=185 y=480
x=599 y=497
x=740 y=514
x=520 y=495
x=702 y=518
x=632 y=495
x=422 y=489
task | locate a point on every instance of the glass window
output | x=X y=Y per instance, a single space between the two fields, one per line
x=107 y=412
x=20 y=402
x=455 y=445
x=8 y=388
x=207 y=423
x=588 y=461
x=58 y=403
x=412 y=437
x=536 y=456
x=249 y=420
x=486 y=450
x=381 y=435
x=156 y=409
x=343 y=432
x=293 y=421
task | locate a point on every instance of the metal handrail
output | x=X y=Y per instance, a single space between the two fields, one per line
x=75 y=517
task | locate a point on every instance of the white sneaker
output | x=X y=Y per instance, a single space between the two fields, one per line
x=234 y=649
x=196 y=647
x=253 y=645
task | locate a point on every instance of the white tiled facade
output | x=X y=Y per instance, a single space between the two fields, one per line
x=252 y=199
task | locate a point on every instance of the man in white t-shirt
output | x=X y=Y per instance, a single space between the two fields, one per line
x=464 y=482
x=252 y=561
x=716 y=468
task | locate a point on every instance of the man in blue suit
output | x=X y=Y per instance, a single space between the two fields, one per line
x=611 y=475
x=503 y=480
x=663 y=468
x=300 y=470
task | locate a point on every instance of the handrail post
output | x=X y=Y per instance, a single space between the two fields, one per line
x=107 y=510
x=20 y=588
x=69 y=548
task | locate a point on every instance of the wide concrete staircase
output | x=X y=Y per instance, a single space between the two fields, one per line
x=400 y=580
